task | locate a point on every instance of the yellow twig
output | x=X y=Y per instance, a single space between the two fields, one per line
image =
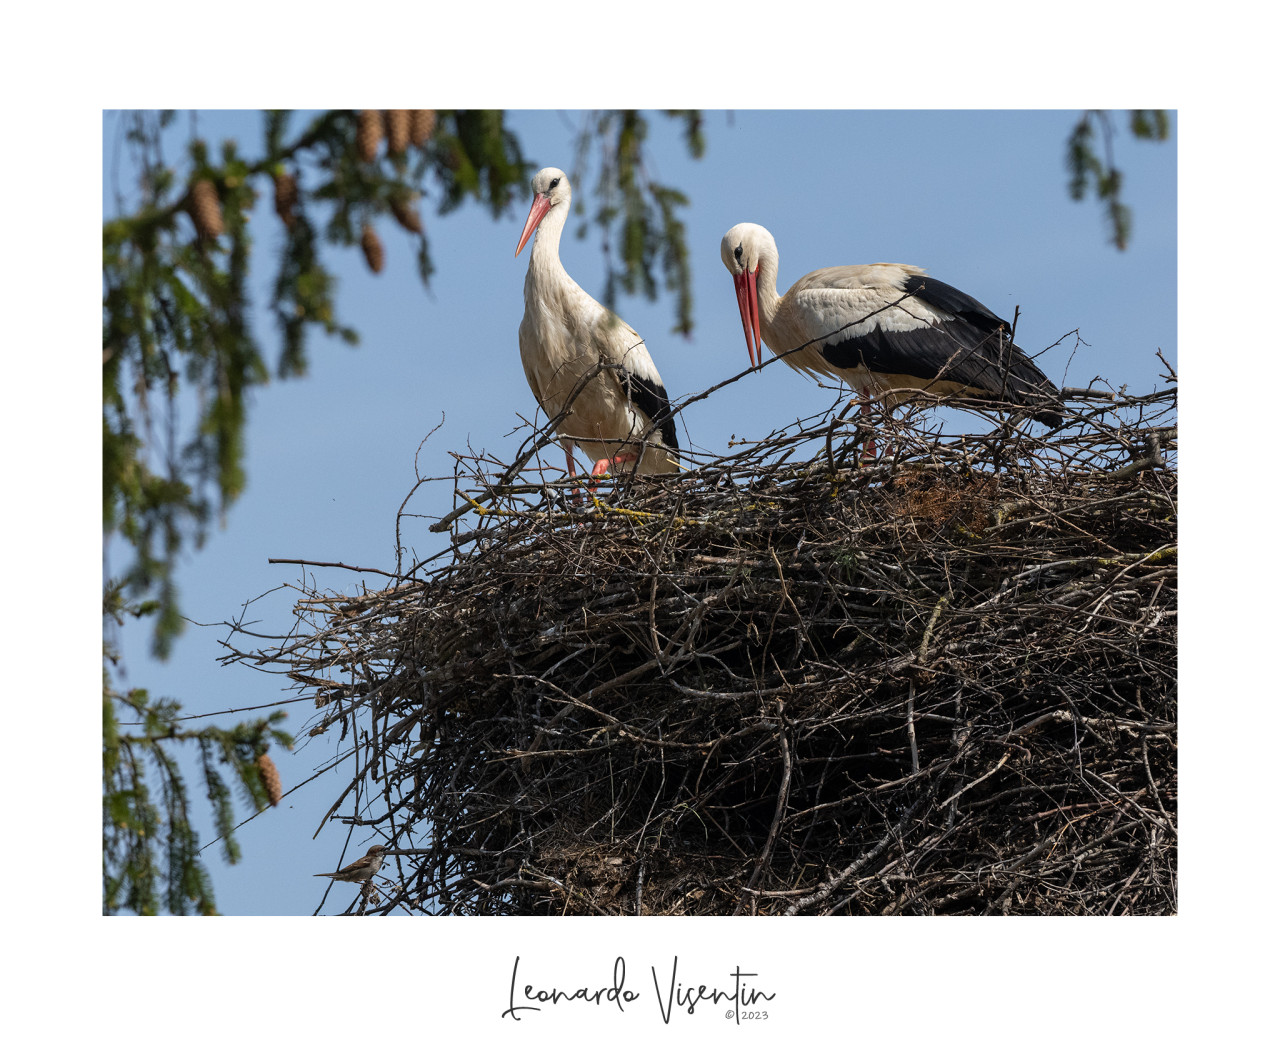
x=641 y=515
x=1164 y=553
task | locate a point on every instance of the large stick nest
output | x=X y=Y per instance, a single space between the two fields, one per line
x=942 y=681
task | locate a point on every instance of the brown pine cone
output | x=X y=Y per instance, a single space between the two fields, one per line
x=270 y=779
x=369 y=134
x=397 y=131
x=372 y=247
x=421 y=125
x=286 y=196
x=206 y=210
x=406 y=214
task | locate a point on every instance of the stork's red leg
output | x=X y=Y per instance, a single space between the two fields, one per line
x=869 y=447
x=605 y=464
x=573 y=471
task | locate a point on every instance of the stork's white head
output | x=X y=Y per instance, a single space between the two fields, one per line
x=741 y=250
x=550 y=190
x=743 y=245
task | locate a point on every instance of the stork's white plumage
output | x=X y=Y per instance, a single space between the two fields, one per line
x=886 y=329
x=622 y=413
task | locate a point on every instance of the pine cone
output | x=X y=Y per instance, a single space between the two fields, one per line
x=372 y=247
x=286 y=196
x=369 y=134
x=270 y=779
x=397 y=131
x=406 y=213
x=421 y=125
x=206 y=210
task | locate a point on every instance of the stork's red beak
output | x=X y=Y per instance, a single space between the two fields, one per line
x=744 y=287
x=541 y=204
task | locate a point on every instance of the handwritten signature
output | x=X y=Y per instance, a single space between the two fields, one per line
x=676 y=996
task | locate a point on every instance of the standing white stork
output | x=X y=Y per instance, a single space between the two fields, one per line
x=565 y=334
x=885 y=329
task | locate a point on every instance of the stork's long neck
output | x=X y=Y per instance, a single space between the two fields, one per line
x=767 y=286
x=544 y=259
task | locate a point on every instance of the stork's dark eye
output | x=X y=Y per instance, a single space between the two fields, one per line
x=737 y=252
x=553 y=184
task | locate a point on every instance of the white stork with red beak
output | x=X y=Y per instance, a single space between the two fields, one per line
x=622 y=414
x=887 y=330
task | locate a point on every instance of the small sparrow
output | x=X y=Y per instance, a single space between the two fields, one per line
x=361 y=870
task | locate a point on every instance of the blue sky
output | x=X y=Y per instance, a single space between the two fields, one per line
x=978 y=198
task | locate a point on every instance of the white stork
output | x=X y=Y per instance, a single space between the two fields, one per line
x=885 y=329
x=565 y=334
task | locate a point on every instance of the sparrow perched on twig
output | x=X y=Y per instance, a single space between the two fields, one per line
x=361 y=870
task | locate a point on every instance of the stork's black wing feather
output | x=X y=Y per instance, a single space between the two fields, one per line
x=651 y=399
x=972 y=348
x=954 y=301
